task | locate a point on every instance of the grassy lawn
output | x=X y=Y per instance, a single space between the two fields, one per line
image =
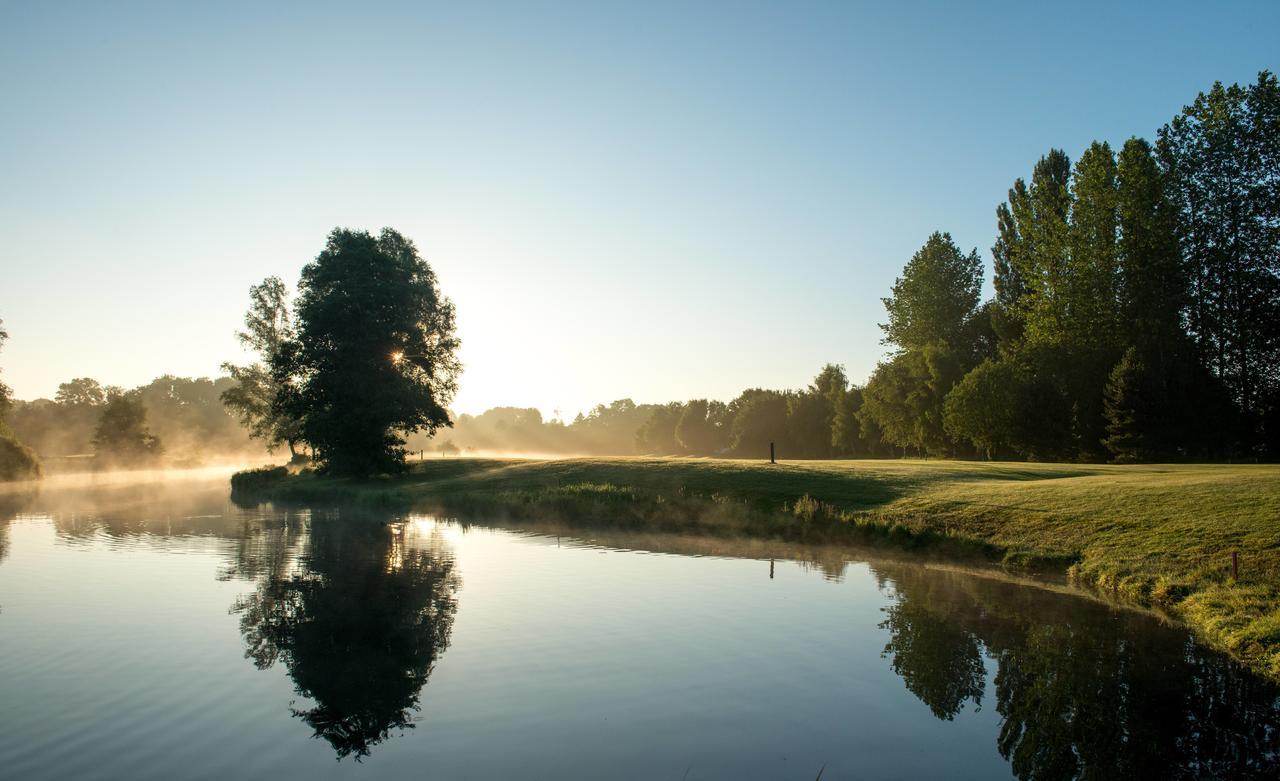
x=1158 y=535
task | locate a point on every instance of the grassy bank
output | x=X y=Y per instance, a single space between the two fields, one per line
x=1159 y=536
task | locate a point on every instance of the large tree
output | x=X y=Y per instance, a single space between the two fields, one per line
x=267 y=328
x=1221 y=160
x=933 y=315
x=374 y=355
x=935 y=296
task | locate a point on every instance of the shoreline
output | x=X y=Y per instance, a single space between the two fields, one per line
x=1155 y=537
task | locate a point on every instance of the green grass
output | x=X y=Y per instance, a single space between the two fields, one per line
x=1156 y=536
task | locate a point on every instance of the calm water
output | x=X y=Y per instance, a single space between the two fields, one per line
x=159 y=631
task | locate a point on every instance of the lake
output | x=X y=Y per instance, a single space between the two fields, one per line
x=154 y=629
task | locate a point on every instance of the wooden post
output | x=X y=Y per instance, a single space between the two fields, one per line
x=1235 y=565
x=771 y=459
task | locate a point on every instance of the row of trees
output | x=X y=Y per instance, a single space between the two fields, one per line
x=127 y=427
x=817 y=422
x=1136 y=317
x=1136 y=314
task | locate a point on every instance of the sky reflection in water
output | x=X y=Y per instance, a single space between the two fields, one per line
x=154 y=631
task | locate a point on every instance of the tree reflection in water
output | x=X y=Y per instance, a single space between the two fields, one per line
x=1083 y=690
x=358 y=612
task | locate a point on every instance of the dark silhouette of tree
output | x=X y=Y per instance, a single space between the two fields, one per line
x=254 y=393
x=122 y=436
x=759 y=417
x=359 y=628
x=700 y=429
x=938 y=659
x=17 y=461
x=657 y=435
x=374 y=356
x=82 y=391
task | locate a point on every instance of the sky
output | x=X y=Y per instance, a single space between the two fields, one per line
x=645 y=200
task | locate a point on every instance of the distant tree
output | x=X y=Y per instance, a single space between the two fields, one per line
x=81 y=391
x=374 y=356
x=255 y=391
x=809 y=416
x=846 y=431
x=447 y=448
x=983 y=407
x=894 y=401
x=759 y=417
x=830 y=382
x=811 y=413
x=122 y=435
x=657 y=435
x=698 y=430
x=937 y=293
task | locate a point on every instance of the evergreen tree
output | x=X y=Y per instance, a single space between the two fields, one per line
x=1131 y=423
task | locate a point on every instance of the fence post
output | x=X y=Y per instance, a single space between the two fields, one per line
x=771 y=459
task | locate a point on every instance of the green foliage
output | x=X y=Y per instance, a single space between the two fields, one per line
x=1221 y=163
x=759 y=418
x=701 y=427
x=1144 y=533
x=122 y=436
x=82 y=391
x=374 y=356
x=253 y=394
x=17 y=461
x=657 y=435
x=937 y=293
x=846 y=431
x=983 y=407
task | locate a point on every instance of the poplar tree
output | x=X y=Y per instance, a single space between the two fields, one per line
x=1221 y=160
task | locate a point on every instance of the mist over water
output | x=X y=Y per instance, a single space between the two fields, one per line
x=153 y=629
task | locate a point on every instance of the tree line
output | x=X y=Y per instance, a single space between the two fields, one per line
x=1135 y=317
x=172 y=420
x=1136 y=314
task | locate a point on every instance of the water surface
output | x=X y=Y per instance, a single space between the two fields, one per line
x=157 y=630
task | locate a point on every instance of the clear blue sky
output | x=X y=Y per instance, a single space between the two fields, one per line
x=655 y=201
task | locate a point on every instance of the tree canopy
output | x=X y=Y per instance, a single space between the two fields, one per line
x=373 y=356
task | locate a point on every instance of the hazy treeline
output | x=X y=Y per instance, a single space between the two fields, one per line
x=816 y=422
x=181 y=420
